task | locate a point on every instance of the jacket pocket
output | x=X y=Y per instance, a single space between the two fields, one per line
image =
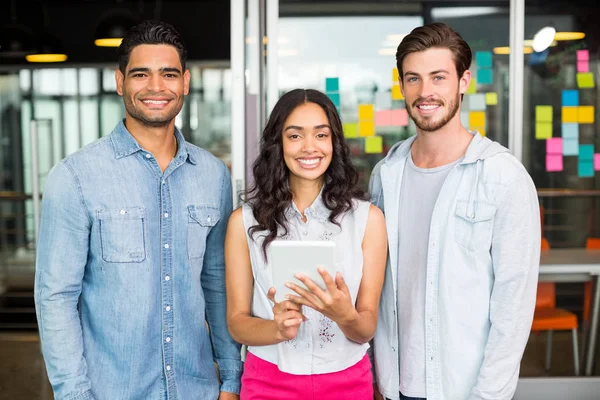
x=473 y=227
x=201 y=219
x=122 y=234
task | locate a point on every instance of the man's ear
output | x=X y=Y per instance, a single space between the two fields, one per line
x=465 y=82
x=119 y=78
x=186 y=82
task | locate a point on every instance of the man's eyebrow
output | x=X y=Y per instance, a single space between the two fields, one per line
x=146 y=69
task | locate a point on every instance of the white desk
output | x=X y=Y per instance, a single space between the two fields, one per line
x=576 y=265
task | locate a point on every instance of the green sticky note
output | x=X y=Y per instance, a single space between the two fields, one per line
x=332 y=84
x=485 y=76
x=586 y=169
x=491 y=98
x=585 y=80
x=472 y=87
x=335 y=99
x=374 y=145
x=543 y=113
x=483 y=59
x=350 y=130
x=543 y=130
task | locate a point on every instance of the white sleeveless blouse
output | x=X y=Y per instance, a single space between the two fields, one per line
x=320 y=346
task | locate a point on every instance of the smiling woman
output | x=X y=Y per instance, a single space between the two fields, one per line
x=305 y=190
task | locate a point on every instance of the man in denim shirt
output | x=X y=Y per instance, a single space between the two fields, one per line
x=130 y=254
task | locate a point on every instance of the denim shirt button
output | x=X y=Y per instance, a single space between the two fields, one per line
x=208 y=220
x=168 y=308
x=166 y=245
x=122 y=212
x=167 y=278
x=148 y=156
x=168 y=367
x=166 y=215
x=168 y=339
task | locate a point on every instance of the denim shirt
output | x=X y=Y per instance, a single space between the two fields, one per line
x=482 y=271
x=130 y=265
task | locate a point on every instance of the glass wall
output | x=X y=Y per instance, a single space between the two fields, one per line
x=73 y=107
x=561 y=141
x=354 y=63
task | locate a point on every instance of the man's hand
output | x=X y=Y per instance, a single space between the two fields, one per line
x=228 y=396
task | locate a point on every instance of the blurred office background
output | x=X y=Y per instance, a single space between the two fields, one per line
x=344 y=48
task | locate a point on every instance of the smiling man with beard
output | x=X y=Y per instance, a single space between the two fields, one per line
x=130 y=260
x=464 y=240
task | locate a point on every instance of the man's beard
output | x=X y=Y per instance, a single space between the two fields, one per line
x=144 y=119
x=430 y=125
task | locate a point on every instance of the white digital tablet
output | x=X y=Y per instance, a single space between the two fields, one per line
x=288 y=257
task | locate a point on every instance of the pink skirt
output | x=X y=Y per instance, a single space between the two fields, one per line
x=262 y=380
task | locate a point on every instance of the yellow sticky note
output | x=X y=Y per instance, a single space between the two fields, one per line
x=585 y=80
x=477 y=118
x=366 y=128
x=586 y=114
x=350 y=130
x=374 y=145
x=479 y=129
x=472 y=87
x=366 y=112
x=491 y=98
x=543 y=113
x=396 y=92
x=570 y=114
x=543 y=130
x=394 y=74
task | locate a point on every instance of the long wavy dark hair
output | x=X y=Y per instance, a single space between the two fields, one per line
x=270 y=196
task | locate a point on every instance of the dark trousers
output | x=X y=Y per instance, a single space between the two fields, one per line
x=403 y=397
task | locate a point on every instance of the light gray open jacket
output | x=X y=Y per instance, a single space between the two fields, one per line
x=482 y=272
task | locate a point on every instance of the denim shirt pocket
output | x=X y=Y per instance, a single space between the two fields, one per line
x=123 y=234
x=474 y=226
x=201 y=219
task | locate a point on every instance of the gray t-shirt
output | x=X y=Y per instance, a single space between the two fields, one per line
x=420 y=189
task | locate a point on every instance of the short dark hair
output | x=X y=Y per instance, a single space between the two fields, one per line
x=150 y=32
x=270 y=196
x=438 y=35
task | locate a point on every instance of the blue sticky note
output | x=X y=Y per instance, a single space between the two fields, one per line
x=483 y=58
x=571 y=147
x=476 y=102
x=484 y=76
x=570 y=130
x=332 y=84
x=570 y=98
x=586 y=152
x=586 y=169
x=335 y=99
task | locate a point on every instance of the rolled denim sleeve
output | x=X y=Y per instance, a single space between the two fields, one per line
x=225 y=349
x=62 y=252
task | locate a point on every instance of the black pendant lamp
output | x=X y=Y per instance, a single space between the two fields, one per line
x=112 y=26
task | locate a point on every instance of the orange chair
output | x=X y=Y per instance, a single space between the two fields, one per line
x=591 y=244
x=549 y=318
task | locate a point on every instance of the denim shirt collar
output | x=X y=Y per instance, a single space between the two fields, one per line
x=316 y=210
x=124 y=144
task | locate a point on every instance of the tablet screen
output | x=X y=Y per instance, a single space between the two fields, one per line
x=288 y=257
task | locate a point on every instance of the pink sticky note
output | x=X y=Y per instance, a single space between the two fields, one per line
x=583 y=55
x=554 y=162
x=400 y=117
x=583 y=66
x=554 y=146
x=597 y=162
x=383 y=118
